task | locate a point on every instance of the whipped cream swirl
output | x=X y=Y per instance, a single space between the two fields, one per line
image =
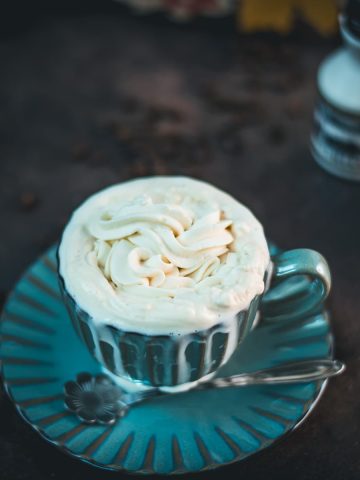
x=160 y=245
x=163 y=255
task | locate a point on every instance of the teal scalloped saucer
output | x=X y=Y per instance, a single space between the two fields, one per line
x=187 y=432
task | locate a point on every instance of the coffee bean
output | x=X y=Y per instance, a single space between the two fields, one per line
x=28 y=201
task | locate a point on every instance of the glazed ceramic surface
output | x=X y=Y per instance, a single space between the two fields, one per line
x=192 y=431
x=335 y=140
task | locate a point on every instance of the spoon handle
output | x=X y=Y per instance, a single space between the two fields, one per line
x=307 y=371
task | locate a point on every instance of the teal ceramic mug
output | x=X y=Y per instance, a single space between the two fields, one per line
x=173 y=361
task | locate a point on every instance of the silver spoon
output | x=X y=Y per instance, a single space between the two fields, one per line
x=103 y=401
x=306 y=371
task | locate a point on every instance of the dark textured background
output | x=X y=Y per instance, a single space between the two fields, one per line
x=92 y=98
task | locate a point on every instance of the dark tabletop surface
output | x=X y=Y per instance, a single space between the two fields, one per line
x=99 y=97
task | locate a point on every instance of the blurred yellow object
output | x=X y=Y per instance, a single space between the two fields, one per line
x=279 y=15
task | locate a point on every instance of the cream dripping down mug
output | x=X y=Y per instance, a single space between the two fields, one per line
x=163 y=278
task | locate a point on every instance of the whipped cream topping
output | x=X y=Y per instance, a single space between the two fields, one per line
x=160 y=245
x=163 y=255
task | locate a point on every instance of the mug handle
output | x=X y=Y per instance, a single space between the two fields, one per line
x=305 y=300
